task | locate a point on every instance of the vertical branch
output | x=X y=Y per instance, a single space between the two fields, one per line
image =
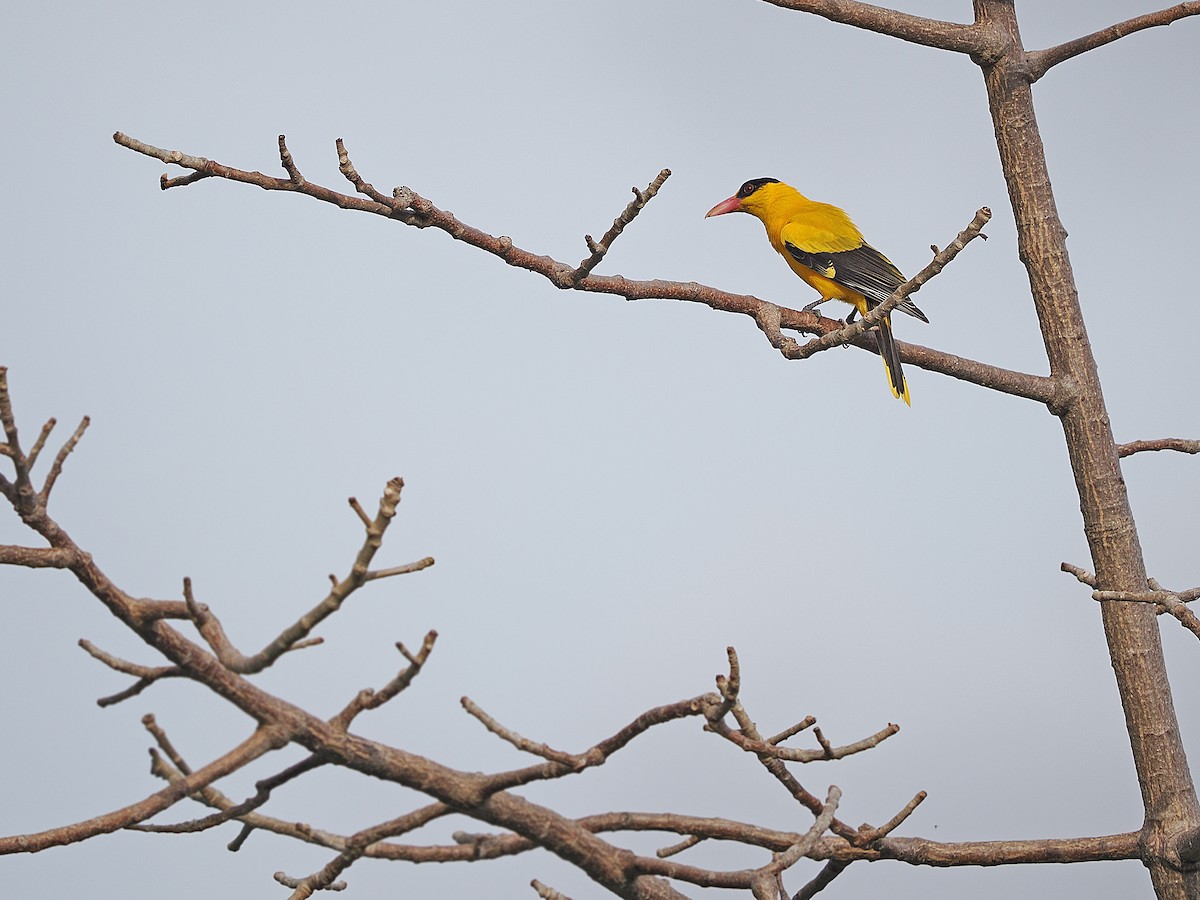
x=1133 y=638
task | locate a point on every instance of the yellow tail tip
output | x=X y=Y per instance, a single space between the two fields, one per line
x=898 y=394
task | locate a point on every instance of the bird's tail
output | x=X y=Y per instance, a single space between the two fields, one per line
x=891 y=360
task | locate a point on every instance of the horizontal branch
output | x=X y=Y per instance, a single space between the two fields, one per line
x=1169 y=602
x=1180 y=445
x=922 y=852
x=788 y=754
x=475 y=847
x=1038 y=62
x=406 y=206
x=36 y=557
x=911 y=850
x=953 y=36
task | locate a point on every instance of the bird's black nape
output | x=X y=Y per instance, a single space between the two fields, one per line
x=753 y=185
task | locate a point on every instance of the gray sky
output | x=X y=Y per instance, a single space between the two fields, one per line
x=614 y=492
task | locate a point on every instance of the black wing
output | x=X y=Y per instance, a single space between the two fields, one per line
x=863 y=269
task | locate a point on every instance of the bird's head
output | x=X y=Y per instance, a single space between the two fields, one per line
x=752 y=197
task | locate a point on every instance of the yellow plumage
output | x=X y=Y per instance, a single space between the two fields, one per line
x=824 y=247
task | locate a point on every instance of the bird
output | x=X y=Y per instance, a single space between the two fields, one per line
x=824 y=247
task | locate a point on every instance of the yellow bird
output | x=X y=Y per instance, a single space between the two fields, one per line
x=827 y=250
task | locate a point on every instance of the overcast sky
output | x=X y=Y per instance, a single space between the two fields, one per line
x=614 y=492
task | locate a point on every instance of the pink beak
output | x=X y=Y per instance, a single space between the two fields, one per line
x=733 y=204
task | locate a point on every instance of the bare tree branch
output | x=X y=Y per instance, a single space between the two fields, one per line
x=304 y=886
x=1041 y=61
x=146 y=675
x=36 y=557
x=831 y=870
x=262 y=794
x=40 y=442
x=804 y=846
x=293 y=637
x=407 y=206
x=1169 y=602
x=871 y=835
x=970 y=39
x=1083 y=575
x=368 y=699
x=1179 y=444
x=547 y=893
x=60 y=458
x=640 y=199
x=261 y=742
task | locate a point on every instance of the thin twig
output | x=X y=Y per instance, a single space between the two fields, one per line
x=804 y=724
x=686 y=844
x=570 y=760
x=295 y=636
x=289 y=164
x=1083 y=575
x=302 y=884
x=40 y=442
x=598 y=250
x=407 y=569
x=547 y=893
x=146 y=675
x=261 y=742
x=369 y=699
x=262 y=788
x=830 y=871
x=804 y=846
x=871 y=835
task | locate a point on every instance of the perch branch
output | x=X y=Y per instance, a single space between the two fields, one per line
x=940 y=260
x=407 y=206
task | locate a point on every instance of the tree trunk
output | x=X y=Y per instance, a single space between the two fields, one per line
x=1168 y=795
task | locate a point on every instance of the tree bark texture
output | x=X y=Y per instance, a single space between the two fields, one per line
x=1168 y=794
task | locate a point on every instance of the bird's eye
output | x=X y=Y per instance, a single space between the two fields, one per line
x=747 y=189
